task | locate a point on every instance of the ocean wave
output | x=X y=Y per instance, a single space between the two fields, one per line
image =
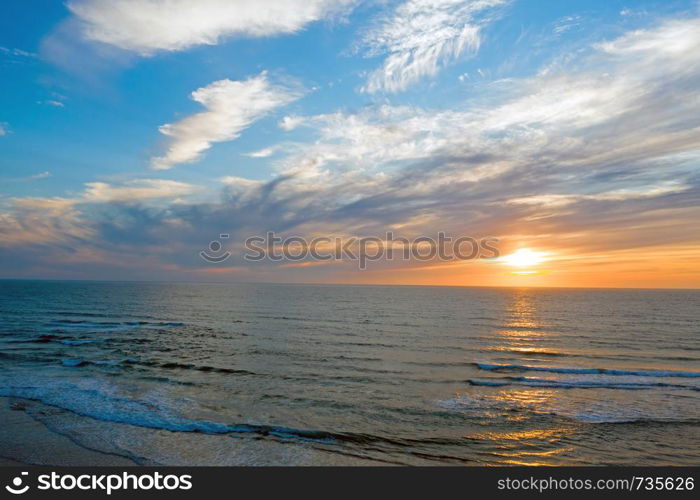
x=77 y=363
x=31 y=357
x=575 y=384
x=73 y=363
x=489 y=407
x=79 y=341
x=109 y=326
x=487 y=383
x=60 y=339
x=587 y=371
x=41 y=339
x=78 y=313
x=97 y=401
x=172 y=365
x=533 y=352
x=101 y=401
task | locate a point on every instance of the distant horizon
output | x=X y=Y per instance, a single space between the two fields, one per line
x=87 y=280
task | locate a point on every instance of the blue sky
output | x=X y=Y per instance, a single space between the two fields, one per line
x=132 y=133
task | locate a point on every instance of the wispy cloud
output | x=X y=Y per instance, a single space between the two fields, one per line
x=566 y=23
x=34 y=177
x=136 y=191
x=422 y=36
x=596 y=155
x=613 y=133
x=171 y=25
x=261 y=153
x=231 y=107
x=41 y=221
x=16 y=52
x=562 y=200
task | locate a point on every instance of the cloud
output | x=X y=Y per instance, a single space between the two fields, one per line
x=232 y=180
x=261 y=153
x=592 y=157
x=422 y=36
x=604 y=145
x=371 y=139
x=150 y=26
x=289 y=123
x=16 y=52
x=136 y=191
x=41 y=221
x=232 y=106
x=28 y=178
x=566 y=24
x=53 y=102
x=3 y=129
x=562 y=200
x=676 y=38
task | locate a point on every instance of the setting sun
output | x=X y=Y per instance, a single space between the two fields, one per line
x=523 y=258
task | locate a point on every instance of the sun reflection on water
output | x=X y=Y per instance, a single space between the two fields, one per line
x=523 y=338
x=522 y=330
x=527 y=447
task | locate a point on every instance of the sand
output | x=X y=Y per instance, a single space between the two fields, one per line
x=25 y=440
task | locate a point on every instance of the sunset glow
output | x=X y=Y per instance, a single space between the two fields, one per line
x=524 y=258
x=411 y=117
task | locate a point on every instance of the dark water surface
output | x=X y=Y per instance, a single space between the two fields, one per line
x=407 y=375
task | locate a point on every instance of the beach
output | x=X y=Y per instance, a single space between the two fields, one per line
x=36 y=434
x=27 y=441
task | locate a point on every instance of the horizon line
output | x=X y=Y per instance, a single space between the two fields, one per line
x=94 y=280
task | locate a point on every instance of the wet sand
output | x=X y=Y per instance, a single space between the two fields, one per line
x=26 y=440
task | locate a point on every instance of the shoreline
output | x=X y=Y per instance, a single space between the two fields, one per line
x=36 y=434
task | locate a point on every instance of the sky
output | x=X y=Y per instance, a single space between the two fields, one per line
x=135 y=133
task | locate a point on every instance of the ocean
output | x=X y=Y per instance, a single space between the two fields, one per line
x=263 y=374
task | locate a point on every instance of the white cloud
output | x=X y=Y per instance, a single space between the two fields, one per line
x=562 y=200
x=373 y=137
x=289 y=123
x=136 y=190
x=421 y=36
x=231 y=107
x=240 y=181
x=41 y=175
x=566 y=23
x=261 y=153
x=16 y=52
x=147 y=26
x=3 y=129
x=631 y=102
x=676 y=39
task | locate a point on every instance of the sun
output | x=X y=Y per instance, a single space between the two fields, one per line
x=523 y=258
